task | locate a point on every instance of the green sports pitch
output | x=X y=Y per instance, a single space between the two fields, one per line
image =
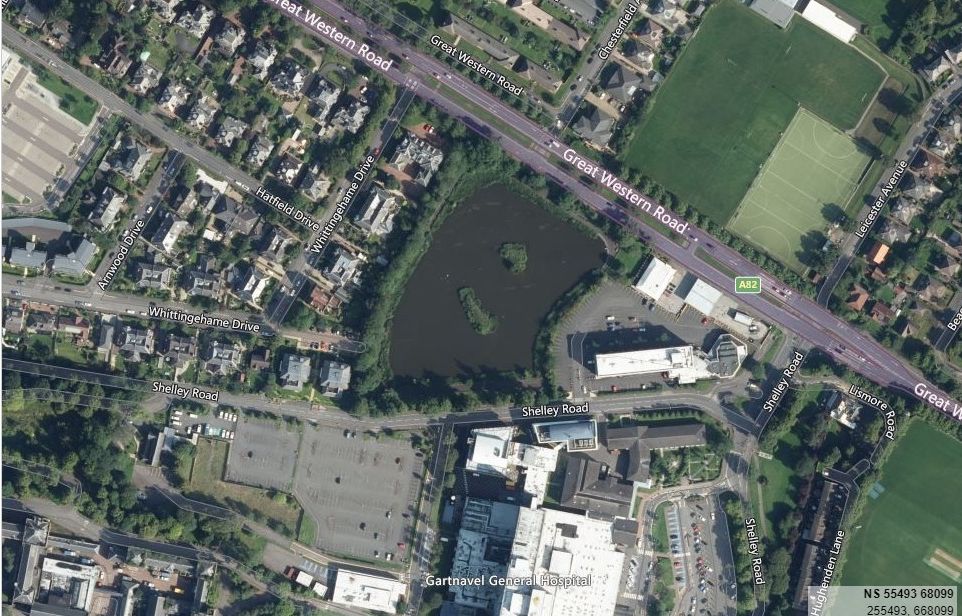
x=910 y=531
x=814 y=165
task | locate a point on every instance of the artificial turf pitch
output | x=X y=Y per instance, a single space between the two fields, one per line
x=732 y=92
x=812 y=167
x=915 y=520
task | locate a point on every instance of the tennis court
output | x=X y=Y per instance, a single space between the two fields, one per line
x=814 y=165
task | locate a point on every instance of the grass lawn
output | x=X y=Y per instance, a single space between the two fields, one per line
x=72 y=101
x=659 y=541
x=776 y=494
x=205 y=481
x=732 y=92
x=916 y=514
x=883 y=18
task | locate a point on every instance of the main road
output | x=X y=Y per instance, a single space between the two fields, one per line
x=779 y=304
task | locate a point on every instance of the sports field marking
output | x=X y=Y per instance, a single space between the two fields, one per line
x=812 y=165
x=945 y=563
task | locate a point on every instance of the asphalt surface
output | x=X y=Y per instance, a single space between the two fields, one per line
x=778 y=303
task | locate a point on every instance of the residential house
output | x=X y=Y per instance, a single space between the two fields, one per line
x=75 y=326
x=878 y=253
x=232 y=217
x=249 y=283
x=377 y=214
x=77 y=259
x=937 y=68
x=223 y=358
x=905 y=211
x=134 y=343
x=13 y=318
x=178 y=351
x=323 y=97
x=929 y=290
x=173 y=97
x=197 y=22
x=105 y=343
x=946 y=267
x=919 y=189
x=261 y=359
x=927 y=165
x=894 y=232
x=857 y=299
x=31 y=16
x=153 y=276
x=169 y=232
x=620 y=84
x=324 y=300
x=288 y=169
x=295 y=371
x=145 y=78
x=349 y=118
x=259 y=152
x=273 y=243
x=128 y=158
x=541 y=76
x=345 y=267
x=262 y=58
x=28 y=257
x=41 y=322
x=230 y=129
x=204 y=284
x=651 y=34
x=334 y=379
x=418 y=159
x=315 y=184
x=229 y=38
x=882 y=314
x=202 y=113
x=115 y=58
x=289 y=80
x=104 y=214
x=595 y=126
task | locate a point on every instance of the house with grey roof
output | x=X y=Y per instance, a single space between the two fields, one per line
x=288 y=169
x=249 y=283
x=222 y=358
x=323 y=97
x=345 y=267
x=178 y=351
x=202 y=114
x=595 y=126
x=231 y=216
x=262 y=58
x=28 y=257
x=620 y=84
x=289 y=80
x=153 y=276
x=259 y=152
x=135 y=343
x=334 y=379
x=315 y=184
x=418 y=159
x=173 y=96
x=129 y=157
x=108 y=206
x=377 y=214
x=169 y=232
x=229 y=130
x=204 y=284
x=295 y=371
x=349 y=118
x=196 y=22
x=229 y=38
x=145 y=78
x=165 y=9
x=77 y=261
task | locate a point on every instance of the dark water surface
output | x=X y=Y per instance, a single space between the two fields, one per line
x=430 y=334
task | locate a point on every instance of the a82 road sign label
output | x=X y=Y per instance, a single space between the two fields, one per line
x=748 y=284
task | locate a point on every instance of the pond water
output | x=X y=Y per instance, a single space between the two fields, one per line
x=431 y=335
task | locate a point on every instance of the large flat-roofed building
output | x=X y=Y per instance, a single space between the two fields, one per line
x=831 y=20
x=576 y=434
x=367 y=592
x=495 y=453
x=779 y=12
x=555 y=545
x=655 y=279
x=483 y=549
x=703 y=297
x=676 y=361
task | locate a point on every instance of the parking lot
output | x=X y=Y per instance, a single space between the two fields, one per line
x=263 y=454
x=615 y=319
x=360 y=490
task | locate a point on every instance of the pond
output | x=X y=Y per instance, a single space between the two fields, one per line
x=431 y=334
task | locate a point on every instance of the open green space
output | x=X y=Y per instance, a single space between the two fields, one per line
x=913 y=518
x=662 y=600
x=277 y=510
x=732 y=92
x=804 y=185
x=72 y=101
x=659 y=535
x=775 y=489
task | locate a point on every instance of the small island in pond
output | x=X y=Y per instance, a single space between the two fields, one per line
x=480 y=319
x=514 y=255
